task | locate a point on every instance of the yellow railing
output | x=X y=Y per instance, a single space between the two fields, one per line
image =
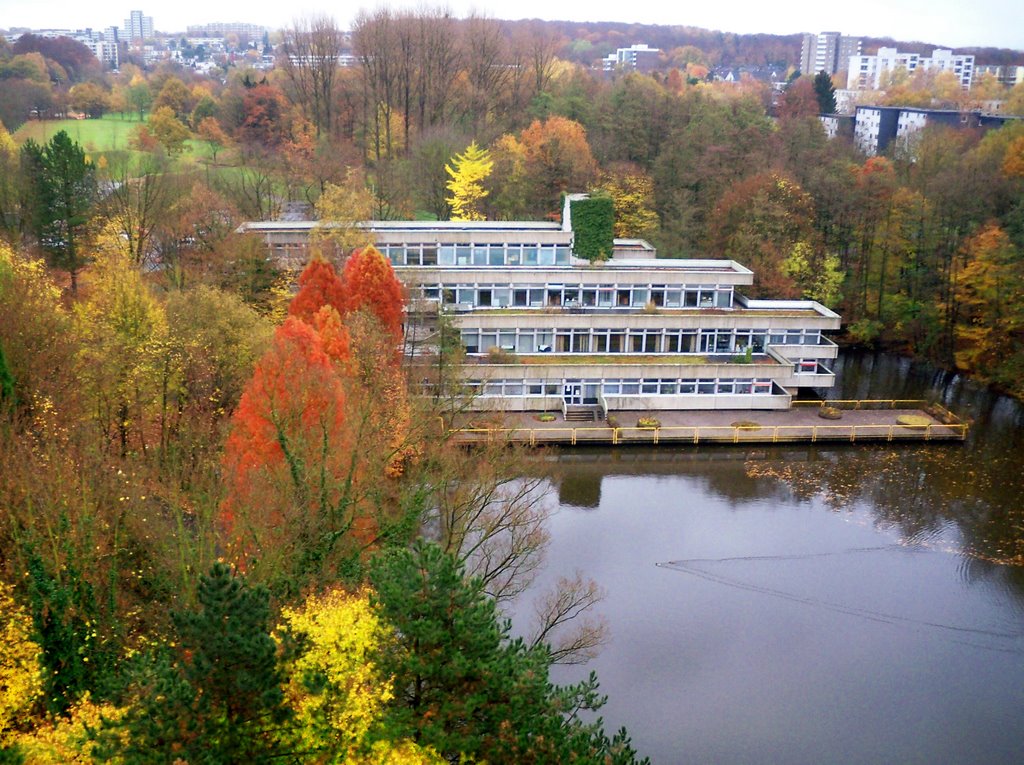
x=881 y=403
x=722 y=433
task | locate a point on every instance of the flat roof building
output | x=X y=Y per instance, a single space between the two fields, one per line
x=545 y=330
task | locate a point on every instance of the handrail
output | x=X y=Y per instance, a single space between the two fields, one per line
x=734 y=434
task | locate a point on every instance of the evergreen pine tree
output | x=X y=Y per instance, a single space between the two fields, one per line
x=825 y=92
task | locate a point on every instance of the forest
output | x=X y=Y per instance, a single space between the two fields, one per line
x=230 y=530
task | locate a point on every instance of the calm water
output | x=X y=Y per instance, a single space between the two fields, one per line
x=862 y=604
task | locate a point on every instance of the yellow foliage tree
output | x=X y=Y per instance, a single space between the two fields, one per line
x=467 y=174
x=339 y=210
x=340 y=632
x=21 y=681
x=66 y=740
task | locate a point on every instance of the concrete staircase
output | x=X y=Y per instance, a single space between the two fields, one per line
x=575 y=413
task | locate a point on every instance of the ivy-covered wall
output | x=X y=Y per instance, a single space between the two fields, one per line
x=593 y=222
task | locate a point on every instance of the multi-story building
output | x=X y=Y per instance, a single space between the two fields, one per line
x=869 y=72
x=225 y=28
x=876 y=127
x=545 y=330
x=828 y=52
x=1007 y=75
x=637 y=57
x=138 y=27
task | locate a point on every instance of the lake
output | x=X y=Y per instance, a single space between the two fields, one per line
x=805 y=604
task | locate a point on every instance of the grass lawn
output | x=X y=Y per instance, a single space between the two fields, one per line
x=110 y=133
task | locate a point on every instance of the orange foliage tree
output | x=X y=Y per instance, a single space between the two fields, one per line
x=370 y=285
x=286 y=450
x=322 y=432
x=319 y=286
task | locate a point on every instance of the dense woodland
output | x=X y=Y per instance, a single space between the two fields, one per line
x=212 y=473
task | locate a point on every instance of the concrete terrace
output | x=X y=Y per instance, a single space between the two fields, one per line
x=860 y=422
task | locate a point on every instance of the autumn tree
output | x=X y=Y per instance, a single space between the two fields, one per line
x=990 y=318
x=370 y=285
x=758 y=223
x=209 y=130
x=21 y=681
x=557 y=160
x=632 y=194
x=123 y=329
x=467 y=173
x=168 y=130
x=341 y=209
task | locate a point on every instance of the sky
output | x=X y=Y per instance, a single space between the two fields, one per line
x=951 y=23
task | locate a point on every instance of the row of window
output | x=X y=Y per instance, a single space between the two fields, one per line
x=502 y=254
x=598 y=296
x=597 y=340
x=589 y=389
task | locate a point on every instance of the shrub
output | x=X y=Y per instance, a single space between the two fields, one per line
x=830 y=413
x=648 y=423
x=913 y=420
x=745 y=425
x=545 y=417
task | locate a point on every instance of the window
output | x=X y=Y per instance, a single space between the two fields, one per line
x=520 y=297
x=446 y=256
x=462 y=255
x=429 y=255
x=529 y=256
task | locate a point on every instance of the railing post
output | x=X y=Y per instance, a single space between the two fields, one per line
x=656 y=432
x=814 y=434
x=889 y=438
x=775 y=434
x=928 y=432
x=574 y=436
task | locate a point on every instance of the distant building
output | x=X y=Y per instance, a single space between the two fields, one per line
x=637 y=57
x=1007 y=75
x=225 y=28
x=827 y=52
x=867 y=72
x=138 y=27
x=876 y=127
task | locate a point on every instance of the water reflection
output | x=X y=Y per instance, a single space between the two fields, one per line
x=786 y=604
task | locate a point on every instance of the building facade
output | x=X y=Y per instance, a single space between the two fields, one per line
x=544 y=330
x=638 y=57
x=877 y=127
x=869 y=72
x=138 y=27
x=827 y=52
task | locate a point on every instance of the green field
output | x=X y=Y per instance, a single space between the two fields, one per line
x=109 y=133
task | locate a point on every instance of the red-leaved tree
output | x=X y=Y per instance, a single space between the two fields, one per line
x=370 y=285
x=319 y=285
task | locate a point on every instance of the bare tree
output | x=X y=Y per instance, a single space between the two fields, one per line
x=312 y=49
x=487 y=71
x=139 y=202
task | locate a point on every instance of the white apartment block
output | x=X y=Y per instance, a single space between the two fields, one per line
x=868 y=72
x=543 y=330
x=138 y=27
x=639 y=56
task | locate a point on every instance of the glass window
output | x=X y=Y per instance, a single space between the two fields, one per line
x=688 y=386
x=547 y=256
x=606 y=297
x=526 y=343
x=513 y=254
x=446 y=256
x=616 y=342
x=648 y=386
x=612 y=388
x=429 y=255
x=640 y=296
x=496 y=256
x=479 y=256
x=724 y=299
x=520 y=297
x=529 y=256
x=487 y=341
x=630 y=388
x=534 y=387
x=552 y=388
x=725 y=386
x=667 y=387
x=692 y=297
x=705 y=387
x=652 y=343
x=513 y=388
x=562 y=255
x=673 y=298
